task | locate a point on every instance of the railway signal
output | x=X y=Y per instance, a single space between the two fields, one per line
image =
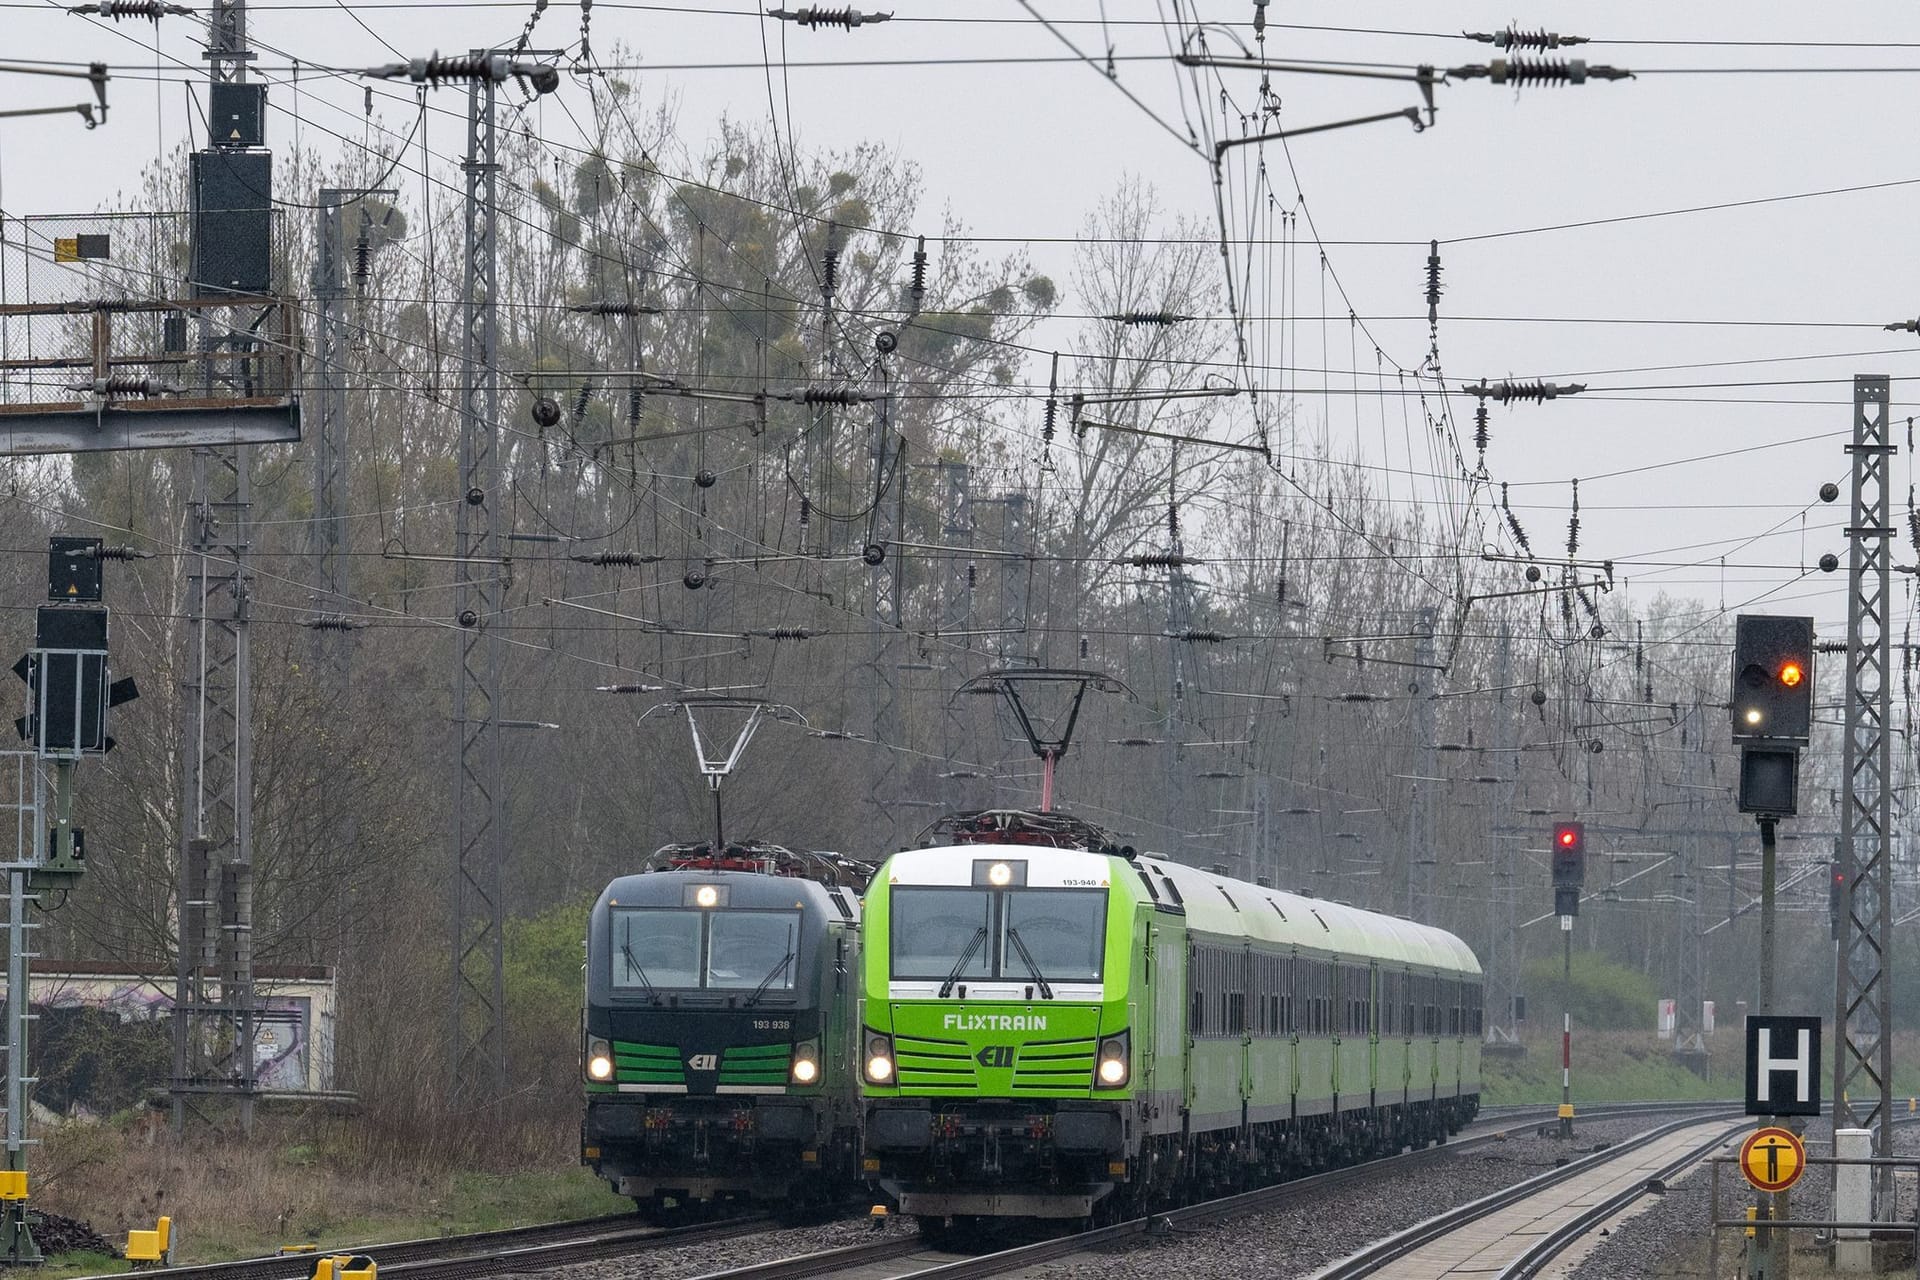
x=1772 y=679
x=69 y=689
x=1569 y=869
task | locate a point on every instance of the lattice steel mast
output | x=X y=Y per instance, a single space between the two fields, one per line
x=1420 y=849
x=213 y=1023
x=1863 y=1013
x=476 y=1041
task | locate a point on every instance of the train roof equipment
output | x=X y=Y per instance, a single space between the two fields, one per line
x=760 y=857
x=1050 y=829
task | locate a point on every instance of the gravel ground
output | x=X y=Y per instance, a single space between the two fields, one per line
x=1300 y=1238
x=1285 y=1242
x=1669 y=1238
x=720 y=1255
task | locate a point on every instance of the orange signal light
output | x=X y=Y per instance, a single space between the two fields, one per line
x=1791 y=674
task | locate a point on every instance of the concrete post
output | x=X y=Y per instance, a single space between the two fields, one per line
x=1852 y=1201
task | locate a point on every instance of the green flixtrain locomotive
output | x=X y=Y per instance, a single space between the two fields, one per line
x=1061 y=1032
x=718 y=1032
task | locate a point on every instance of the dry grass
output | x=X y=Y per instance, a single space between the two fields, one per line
x=332 y=1181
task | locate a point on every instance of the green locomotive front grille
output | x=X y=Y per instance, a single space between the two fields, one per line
x=756 y=1064
x=933 y=1064
x=647 y=1064
x=1054 y=1066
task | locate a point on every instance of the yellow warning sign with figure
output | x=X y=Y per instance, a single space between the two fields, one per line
x=1773 y=1158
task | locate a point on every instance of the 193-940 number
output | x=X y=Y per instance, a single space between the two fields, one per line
x=773 y=1024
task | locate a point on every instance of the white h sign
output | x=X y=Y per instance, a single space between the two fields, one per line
x=1783 y=1066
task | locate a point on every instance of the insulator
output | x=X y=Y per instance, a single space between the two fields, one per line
x=152 y=10
x=1161 y=560
x=1259 y=17
x=1913 y=526
x=1573 y=523
x=125 y=384
x=1513 y=523
x=362 y=259
x=435 y=69
x=830 y=262
x=1514 y=38
x=1197 y=635
x=1173 y=522
x=119 y=553
x=1433 y=282
x=636 y=400
x=826 y=395
x=1084 y=648
x=613 y=309
x=582 y=400
x=628 y=558
x=917 y=289
x=332 y=622
x=1480 y=433
x=1147 y=317
x=810 y=16
x=783 y=633
x=806 y=511
x=1515 y=392
x=1521 y=72
x=973 y=577
x=1047 y=421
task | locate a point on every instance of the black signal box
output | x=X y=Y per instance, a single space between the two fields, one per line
x=1769 y=780
x=232 y=234
x=71 y=629
x=237 y=114
x=1772 y=694
x=73 y=569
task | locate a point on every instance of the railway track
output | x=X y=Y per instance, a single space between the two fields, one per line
x=900 y=1257
x=1515 y=1232
x=531 y=1248
x=550 y=1245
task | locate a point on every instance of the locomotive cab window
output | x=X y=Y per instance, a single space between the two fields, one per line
x=657 y=949
x=1013 y=934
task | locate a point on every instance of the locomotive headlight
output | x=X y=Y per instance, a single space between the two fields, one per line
x=806 y=1063
x=879 y=1059
x=599 y=1060
x=999 y=875
x=706 y=895
x=1113 y=1066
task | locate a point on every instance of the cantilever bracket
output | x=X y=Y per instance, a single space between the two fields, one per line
x=1423 y=76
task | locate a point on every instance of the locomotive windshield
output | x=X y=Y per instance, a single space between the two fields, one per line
x=716 y=950
x=1052 y=935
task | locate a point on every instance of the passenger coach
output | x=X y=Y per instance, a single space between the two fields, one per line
x=1063 y=1033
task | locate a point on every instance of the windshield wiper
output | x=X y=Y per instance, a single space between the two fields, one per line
x=633 y=966
x=767 y=981
x=979 y=936
x=1046 y=988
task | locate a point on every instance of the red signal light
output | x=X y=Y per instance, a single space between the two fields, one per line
x=1567 y=838
x=1792 y=674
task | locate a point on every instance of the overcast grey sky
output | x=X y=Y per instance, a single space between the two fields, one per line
x=1025 y=149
